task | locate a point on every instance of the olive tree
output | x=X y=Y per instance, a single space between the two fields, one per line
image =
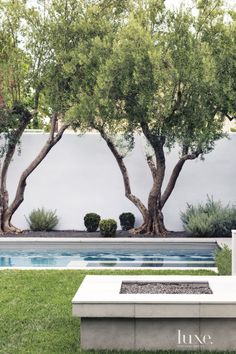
x=26 y=72
x=159 y=73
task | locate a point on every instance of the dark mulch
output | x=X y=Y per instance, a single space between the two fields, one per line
x=165 y=288
x=84 y=234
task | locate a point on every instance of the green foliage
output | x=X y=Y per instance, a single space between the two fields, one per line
x=20 y=70
x=42 y=220
x=121 y=65
x=91 y=222
x=130 y=73
x=211 y=219
x=199 y=225
x=139 y=67
x=108 y=227
x=127 y=221
x=14 y=62
x=29 y=72
x=223 y=259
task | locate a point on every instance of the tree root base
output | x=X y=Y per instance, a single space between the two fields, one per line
x=10 y=230
x=147 y=230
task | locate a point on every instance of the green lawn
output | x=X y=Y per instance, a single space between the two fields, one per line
x=35 y=310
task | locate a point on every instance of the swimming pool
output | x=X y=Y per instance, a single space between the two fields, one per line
x=88 y=255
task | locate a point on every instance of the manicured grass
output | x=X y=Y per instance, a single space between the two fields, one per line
x=35 y=310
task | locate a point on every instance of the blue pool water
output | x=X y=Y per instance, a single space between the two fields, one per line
x=109 y=258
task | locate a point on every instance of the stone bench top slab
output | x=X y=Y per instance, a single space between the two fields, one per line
x=99 y=296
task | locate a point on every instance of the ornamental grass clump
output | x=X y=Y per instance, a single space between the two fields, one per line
x=42 y=220
x=91 y=222
x=223 y=260
x=211 y=220
x=108 y=227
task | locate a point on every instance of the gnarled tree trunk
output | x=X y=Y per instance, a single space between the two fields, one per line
x=120 y=161
x=153 y=219
x=10 y=150
x=9 y=209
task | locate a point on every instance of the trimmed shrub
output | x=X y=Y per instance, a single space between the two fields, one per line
x=91 y=222
x=211 y=219
x=127 y=221
x=42 y=220
x=223 y=259
x=108 y=227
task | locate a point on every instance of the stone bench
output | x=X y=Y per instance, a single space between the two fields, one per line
x=111 y=320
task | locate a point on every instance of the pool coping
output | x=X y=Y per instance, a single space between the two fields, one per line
x=213 y=269
x=219 y=241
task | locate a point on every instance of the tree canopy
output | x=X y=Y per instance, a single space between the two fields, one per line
x=119 y=67
x=26 y=59
x=167 y=74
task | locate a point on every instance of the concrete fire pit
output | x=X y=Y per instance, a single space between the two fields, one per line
x=144 y=321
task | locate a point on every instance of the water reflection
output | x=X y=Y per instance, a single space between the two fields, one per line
x=41 y=261
x=5 y=262
x=153 y=262
x=108 y=258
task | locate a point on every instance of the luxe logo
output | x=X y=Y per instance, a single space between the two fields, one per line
x=193 y=339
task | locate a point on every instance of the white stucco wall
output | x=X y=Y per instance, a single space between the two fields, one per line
x=80 y=175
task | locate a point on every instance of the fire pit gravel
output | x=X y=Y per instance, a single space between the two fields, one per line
x=165 y=288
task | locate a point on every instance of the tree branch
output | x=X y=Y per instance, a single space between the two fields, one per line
x=52 y=140
x=152 y=166
x=175 y=174
x=157 y=142
x=230 y=117
x=158 y=170
x=11 y=147
x=14 y=139
x=177 y=102
x=53 y=127
x=146 y=131
x=119 y=159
